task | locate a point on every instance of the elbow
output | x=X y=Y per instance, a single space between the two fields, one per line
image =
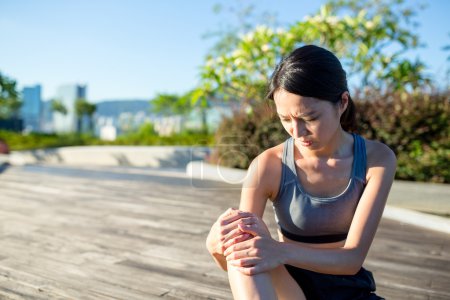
x=352 y=269
x=346 y=269
x=354 y=264
x=351 y=265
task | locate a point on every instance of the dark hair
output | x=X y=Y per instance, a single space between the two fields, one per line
x=312 y=71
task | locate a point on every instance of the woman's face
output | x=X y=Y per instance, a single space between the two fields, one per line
x=312 y=122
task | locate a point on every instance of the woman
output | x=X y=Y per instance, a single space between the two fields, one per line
x=328 y=188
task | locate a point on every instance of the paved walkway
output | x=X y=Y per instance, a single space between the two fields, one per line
x=126 y=233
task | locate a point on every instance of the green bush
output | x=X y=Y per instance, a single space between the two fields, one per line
x=416 y=128
x=240 y=138
x=17 y=141
x=184 y=138
x=144 y=136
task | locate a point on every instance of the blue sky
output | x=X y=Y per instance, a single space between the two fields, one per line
x=133 y=49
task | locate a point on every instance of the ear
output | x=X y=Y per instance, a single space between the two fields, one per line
x=344 y=102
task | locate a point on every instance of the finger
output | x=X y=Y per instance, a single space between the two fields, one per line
x=234 y=254
x=230 y=234
x=240 y=238
x=251 y=270
x=228 y=230
x=243 y=220
x=233 y=216
x=252 y=229
x=245 y=262
x=229 y=211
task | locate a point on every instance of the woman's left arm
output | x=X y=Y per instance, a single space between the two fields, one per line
x=346 y=260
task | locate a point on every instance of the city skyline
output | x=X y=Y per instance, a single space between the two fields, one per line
x=136 y=49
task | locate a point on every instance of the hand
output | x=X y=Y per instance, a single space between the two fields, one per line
x=225 y=229
x=259 y=254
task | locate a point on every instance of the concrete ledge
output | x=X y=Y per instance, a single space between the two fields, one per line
x=403 y=193
x=204 y=171
x=4 y=158
x=137 y=156
x=425 y=197
x=4 y=161
x=416 y=218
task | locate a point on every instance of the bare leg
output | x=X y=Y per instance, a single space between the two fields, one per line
x=255 y=287
x=276 y=284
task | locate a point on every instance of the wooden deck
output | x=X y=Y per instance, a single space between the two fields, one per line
x=133 y=234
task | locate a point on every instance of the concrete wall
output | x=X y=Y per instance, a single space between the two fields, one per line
x=138 y=156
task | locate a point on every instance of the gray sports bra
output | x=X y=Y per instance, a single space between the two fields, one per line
x=305 y=218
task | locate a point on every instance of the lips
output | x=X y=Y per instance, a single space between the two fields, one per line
x=306 y=143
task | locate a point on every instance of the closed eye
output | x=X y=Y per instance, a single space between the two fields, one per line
x=311 y=119
x=306 y=120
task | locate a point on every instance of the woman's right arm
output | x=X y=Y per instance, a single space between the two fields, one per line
x=225 y=229
x=259 y=185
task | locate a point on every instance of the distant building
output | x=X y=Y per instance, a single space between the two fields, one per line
x=168 y=125
x=47 y=117
x=107 y=131
x=214 y=116
x=31 y=108
x=118 y=117
x=68 y=94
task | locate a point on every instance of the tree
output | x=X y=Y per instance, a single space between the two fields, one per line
x=9 y=98
x=199 y=99
x=58 y=106
x=359 y=32
x=84 y=108
x=171 y=104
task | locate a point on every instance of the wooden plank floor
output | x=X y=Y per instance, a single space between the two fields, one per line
x=115 y=233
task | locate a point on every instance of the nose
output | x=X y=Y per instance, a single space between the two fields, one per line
x=298 y=128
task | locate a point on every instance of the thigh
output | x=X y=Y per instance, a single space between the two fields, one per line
x=285 y=286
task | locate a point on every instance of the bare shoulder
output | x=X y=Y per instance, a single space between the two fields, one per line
x=266 y=169
x=271 y=157
x=380 y=156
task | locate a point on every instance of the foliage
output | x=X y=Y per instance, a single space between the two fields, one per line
x=9 y=98
x=145 y=136
x=170 y=104
x=31 y=141
x=416 y=128
x=240 y=138
x=84 y=108
x=361 y=38
x=59 y=107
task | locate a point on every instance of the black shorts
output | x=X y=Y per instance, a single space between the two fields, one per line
x=317 y=286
